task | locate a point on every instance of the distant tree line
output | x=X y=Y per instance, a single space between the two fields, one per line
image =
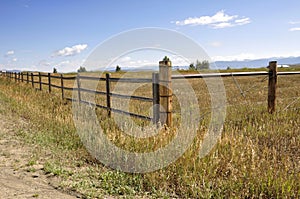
x=200 y=65
x=118 y=68
x=81 y=69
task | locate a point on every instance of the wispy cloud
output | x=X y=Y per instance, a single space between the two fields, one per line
x=10 y=52
x=69 y=65
x=239 y=57
x=294 y=29
x=215 y=44
x=219 y=20
x=294 y=22
x=70 y=51
x=44 y=63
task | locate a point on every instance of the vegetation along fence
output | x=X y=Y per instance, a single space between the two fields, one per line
x=161 y=88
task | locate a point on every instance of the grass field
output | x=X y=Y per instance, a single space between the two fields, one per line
x=258 y=155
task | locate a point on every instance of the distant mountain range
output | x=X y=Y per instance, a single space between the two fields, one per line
x=258 y=63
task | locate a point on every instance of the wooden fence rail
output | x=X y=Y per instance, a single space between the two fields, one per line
x=161 y=88
x=31 y=78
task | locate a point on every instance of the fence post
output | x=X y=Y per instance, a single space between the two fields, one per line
x=40 y=81
x=155 y=94
x=62 y=86
x=49 y=82
x=27 y=78
x=165 y=91
x=15 y=76
x=108 y=99
x=272 y=86
x=78 y=88
x=32 y=80
x=22 y=77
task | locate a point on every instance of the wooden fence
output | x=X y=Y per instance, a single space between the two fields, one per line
x=35 y=79
x=161 y=88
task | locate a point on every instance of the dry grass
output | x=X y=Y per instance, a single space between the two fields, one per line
x=257 y=157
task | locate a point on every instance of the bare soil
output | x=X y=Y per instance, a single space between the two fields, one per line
x=18 y=177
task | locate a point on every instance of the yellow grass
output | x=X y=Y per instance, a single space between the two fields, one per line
x=257 y=156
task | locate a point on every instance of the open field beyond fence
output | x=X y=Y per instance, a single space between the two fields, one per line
x=258 y=155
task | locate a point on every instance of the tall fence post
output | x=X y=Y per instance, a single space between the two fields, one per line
x=15 y=76
x=22 y=77
x=272 y=86
x=165 y=91
x=78 y=88
x=155 y=94
x=27 y=78
x=32 y=80
x=49 y=82
x=62 y=86
x=40 y=81
x=108 y=99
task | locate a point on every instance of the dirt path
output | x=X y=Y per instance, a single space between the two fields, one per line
x=19 y=179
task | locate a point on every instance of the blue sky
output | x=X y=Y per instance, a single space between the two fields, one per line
x=42 y=34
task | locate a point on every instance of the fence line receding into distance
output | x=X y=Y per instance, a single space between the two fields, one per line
x=161 y=88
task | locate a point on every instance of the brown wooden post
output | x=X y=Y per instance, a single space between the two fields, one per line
x=22 y=77
x=272 y=86
x=40 y=81
x=32 y=80
x=108 y=99
x=15 y=76
x=27 y=78
x=62 y=86
x=165 y=91
x=78 y=88
x=49 y=82
x=155 y=94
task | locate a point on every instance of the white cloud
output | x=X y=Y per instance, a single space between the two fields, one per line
x=239 y=57
x=14 y=59
x=134 y=62
x=215 y=44
x=44 y=63
x=10 y=52
x=294 y=29
x=70 y=51
x=69 y=65
x=125 y=59
x=294 y=22
x=242 y=21
x=222 y=25
x=219 y=20
x=64 y=63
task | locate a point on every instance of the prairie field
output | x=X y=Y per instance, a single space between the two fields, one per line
x=257 y=155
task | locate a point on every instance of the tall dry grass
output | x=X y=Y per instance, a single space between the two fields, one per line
x=258 y=155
